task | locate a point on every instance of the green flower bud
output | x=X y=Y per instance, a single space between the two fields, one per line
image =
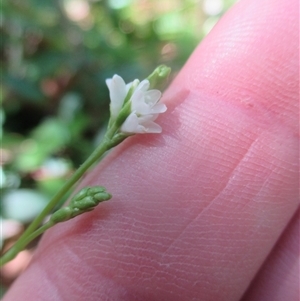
x=85 y=200
x=159 y=77
x=89 y=197
x=61 y=215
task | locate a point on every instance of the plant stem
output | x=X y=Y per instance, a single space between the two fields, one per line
x=74 y=178
x=29 y=233
x=23 y=242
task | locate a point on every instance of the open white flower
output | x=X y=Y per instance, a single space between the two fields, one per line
x=144 y=106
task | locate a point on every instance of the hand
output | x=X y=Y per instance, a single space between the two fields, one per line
x=197 y=210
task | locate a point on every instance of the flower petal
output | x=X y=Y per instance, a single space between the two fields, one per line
x=138 y=103
x=131 y=124
x=152 y=97
x=151 y=127
x=140 y=125
x=141 y=106
x=117 y=92
x=143 y=85
x=158 y=108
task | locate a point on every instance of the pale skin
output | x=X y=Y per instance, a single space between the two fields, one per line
x=209 y=207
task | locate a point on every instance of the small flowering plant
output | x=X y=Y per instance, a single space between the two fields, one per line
x=137 y=99
x=134 y=108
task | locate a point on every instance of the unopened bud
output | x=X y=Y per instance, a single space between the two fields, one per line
x=85 y=200
x=89 y=197
x=159 y=77
x=61 y=215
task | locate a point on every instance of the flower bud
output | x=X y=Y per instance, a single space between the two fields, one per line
x=85 y=200
x=158 y=78
x=61 y=215
x=89 y=197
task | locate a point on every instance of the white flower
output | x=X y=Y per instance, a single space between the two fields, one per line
x=117 y=93
x=144 y=105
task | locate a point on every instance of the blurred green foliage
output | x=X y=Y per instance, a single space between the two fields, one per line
x=55 y=57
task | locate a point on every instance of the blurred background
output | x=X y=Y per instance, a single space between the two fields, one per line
x=55 y=57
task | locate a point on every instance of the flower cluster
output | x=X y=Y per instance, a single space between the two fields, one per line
x=83 y=201
x=143 y=101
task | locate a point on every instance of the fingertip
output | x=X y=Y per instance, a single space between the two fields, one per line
x=251 y=59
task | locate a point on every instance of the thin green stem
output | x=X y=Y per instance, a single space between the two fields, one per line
x=108 y=143
x=23 y=242
x=74 y=178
